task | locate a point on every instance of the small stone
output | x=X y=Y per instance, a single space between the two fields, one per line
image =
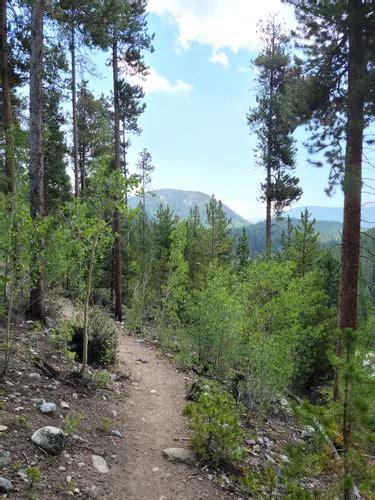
x=179 y=455
x=75 y=395
x=3 y=428
x=38 y=401
x=284 y=459
x=99 y=464
x=35 y=375
x=260 y=440
x=9 y=383
x=50 y=439
x=19 y=408
x=155 y=469
x=116 y=433
x=153 y=391
x=22 y=474
x=284 y=402
x=93 y=491
x=62 y=468
x=114 y=413
x=76 y=490
x=5 y=485
x=48 y=408
x=5 y=458
x=307 y=432
x=256 y=448
x=68 y=479
x=64 y=405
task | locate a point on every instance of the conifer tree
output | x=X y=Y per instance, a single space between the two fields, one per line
x=219 y=242
x=275 y=144
x=145 y=169
x=335 y=95
x=243 y=250
x=195 y=249
x=303 y=248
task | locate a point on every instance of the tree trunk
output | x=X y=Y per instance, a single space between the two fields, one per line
x=353 y=177
x=74 y=111
x=10 y=183
x=116 y=214
x=36 y=306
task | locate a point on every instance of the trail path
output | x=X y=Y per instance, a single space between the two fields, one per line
x=153 y=422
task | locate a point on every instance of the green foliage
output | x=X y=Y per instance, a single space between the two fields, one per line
x=71 y=422
x=103 y=337
x=106 y=424
x=34 y=475
x=101 y=379
x=219 y=244
x=217 y=434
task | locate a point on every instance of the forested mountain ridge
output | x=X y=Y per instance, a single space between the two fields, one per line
x=334 y=214
x=181 y=202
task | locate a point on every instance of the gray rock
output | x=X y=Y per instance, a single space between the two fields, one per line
x=179 y=455
x=93 y=491
x=116 y=433
x=284 y=459
x=5 y=458
x=35 y=375
x=38 y=401
x=99 y=464
x=48 y=408
x=64 y=405
x=260 y=440
x=5 y=485
x=307 y=432
x=49 y=438
x=3 y=428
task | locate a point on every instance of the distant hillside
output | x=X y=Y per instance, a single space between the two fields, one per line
x=181 y=202
x=334 y=214
x=329 y=233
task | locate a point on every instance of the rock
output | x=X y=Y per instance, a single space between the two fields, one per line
x=48 y=408
x=50 y=439
x=93 y=491
x=3 y=428
x=260 y=440
x=114 y=413
x=35 y=375
x=64 y=405
x=284 y=402
x=307 y=432
x=115 y=377
x=68 y=479
x=179 y=455
x=38 y=401
x=116 y=433
x=284 y=459
x=153 y=391
x=99 y=464
x=5 y=458
x=5 y=485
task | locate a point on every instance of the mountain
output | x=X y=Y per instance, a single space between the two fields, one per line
x=181 y=202
x=334 y=214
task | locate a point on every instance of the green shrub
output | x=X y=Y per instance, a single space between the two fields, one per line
x=101 y=379
x=62 y=335
x=217 y=433
x=72 y=421
x=101 y=297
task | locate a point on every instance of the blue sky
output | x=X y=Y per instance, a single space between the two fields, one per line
x=198 y=91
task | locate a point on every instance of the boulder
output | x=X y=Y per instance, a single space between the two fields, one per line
x=179 y=455
x=50 y=439
x=48 y=407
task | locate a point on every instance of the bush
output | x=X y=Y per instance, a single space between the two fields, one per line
x=103 y=338
x=101 y=297
x=217 y=433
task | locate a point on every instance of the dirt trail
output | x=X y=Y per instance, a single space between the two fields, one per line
x=152 y=422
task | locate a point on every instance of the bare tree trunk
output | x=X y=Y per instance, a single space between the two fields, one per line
x=36 y=306
x=116 y=214
x=6 y=101
x=74 y=111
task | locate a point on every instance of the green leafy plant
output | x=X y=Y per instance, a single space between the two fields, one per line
x=101 y=379
x=72 y=421
x=34 y=475
x=217 y=433
x=106 y=424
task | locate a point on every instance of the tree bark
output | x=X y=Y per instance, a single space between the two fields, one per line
x=10 y=183
x=74 y=111
x=36 y=306
x=116 y=214
x=352 y=185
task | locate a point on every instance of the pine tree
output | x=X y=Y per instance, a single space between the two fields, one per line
x=145 y=169
x=304 y=248
x=36 y=306
x=219 y=243
x=195 y=249
x=243 y=251
x=275 y=142
x=335 y=96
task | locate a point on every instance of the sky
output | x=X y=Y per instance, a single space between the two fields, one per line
x=198 y=91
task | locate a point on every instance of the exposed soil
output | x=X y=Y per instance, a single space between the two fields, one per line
x=153 y=422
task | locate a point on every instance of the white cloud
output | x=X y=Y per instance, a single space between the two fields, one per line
x=220 y=23
x=154 y=82
x=219 y=57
